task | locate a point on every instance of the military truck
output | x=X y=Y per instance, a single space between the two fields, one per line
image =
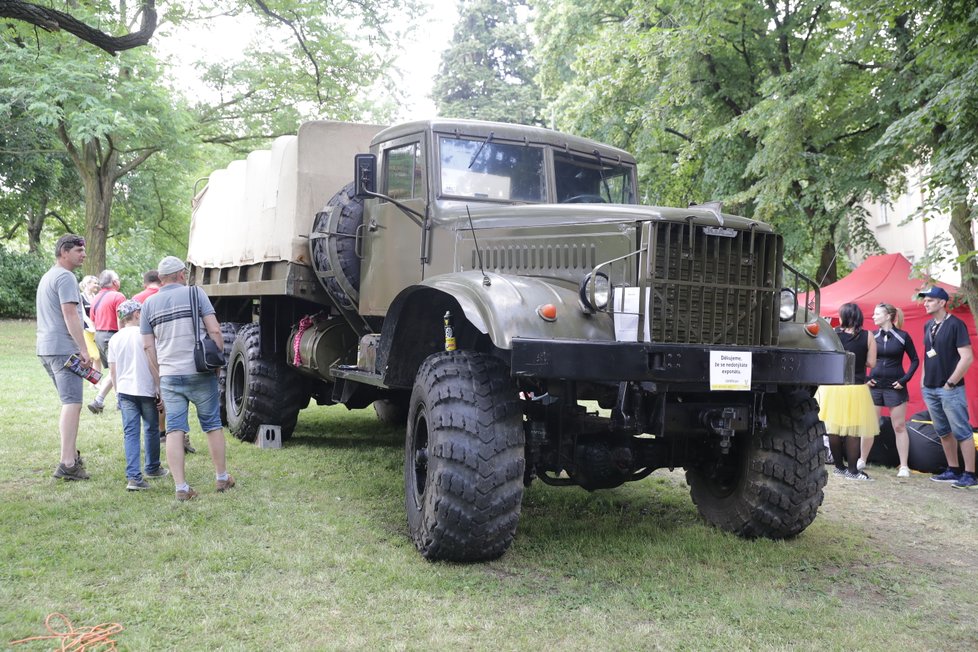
x=497 y=290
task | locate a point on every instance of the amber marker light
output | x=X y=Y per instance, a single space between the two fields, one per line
x=547 y=312
x=812 y=329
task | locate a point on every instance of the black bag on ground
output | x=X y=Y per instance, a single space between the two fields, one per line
x=207 y=357
x=926 y=451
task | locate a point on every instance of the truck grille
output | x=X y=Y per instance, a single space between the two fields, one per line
x=710 y=285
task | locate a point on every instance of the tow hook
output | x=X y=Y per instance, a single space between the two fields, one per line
x=722 y=423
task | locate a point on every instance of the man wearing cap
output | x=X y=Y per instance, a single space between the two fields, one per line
x=60 y=332
x=136 y=389
x=947 y=356
x=168 y=337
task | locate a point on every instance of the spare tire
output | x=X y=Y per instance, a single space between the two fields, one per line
x=333 y=242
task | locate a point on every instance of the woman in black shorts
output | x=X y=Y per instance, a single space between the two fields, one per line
x=888 y=381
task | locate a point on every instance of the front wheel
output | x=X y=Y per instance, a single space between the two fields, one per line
x=770 y=484
x=464 y=458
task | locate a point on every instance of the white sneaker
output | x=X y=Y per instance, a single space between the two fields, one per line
x=904 y=472
x=860 y=464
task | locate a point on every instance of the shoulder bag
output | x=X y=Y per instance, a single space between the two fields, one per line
x=207 y=357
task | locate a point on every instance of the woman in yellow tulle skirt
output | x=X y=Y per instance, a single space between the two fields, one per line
x=847 y=410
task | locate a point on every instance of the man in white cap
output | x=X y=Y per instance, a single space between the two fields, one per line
x=947 y=356
x=168 y=336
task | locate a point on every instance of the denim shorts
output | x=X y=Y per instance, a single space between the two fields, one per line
x=949 y=411
x=201 y=390
x=68 y=384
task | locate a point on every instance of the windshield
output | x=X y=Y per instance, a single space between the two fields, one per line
x=590 y=180
x=483 y=169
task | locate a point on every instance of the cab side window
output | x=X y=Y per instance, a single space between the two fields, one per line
x=403 y=172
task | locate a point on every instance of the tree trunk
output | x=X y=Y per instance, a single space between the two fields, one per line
x=964 y=242
x=827 y=269
x=99 y=179
x=35 y=223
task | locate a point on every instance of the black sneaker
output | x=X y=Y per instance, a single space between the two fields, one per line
x=966 y=481
x=68 y=473
x=947 y=476
x=187 y=447
x=136 y=484
x=158 y=473
x=858 y=475
x=78 y=459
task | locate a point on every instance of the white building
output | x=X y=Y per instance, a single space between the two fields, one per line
x=900 y=228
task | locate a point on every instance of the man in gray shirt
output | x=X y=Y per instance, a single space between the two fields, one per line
x=169 y=333
x=60 y=333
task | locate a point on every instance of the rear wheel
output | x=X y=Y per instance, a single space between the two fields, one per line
x=464 y=458
x=260 y=390
x=392 y=412
x=229 y=332
x=769 y=484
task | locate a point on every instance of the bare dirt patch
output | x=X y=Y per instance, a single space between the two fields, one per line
x=925 y=524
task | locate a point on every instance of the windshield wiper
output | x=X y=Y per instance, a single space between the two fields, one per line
x=479 y=151
x=604 y=180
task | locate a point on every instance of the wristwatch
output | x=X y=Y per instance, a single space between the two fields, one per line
x=950 y=385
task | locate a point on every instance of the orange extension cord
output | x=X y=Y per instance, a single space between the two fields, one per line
x=78 y=640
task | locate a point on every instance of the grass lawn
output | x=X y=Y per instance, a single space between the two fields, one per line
x=310 y=551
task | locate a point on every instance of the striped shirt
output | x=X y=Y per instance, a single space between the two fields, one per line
x=167 y=316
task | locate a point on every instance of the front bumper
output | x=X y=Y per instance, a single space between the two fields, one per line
x=673 y=364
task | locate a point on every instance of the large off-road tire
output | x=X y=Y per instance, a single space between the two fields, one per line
x=335 y=256
x=229 y=331
x=391 y=412
x=464 y=458
x=769 y=485
x=259 y=390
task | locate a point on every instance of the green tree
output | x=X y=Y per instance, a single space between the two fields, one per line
x=749 y=101
x=486 y=72
x=114 y=117
x=37 y=181
x=931 y=75
x=109 y=115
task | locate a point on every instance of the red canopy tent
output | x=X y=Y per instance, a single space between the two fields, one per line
x=886 y=279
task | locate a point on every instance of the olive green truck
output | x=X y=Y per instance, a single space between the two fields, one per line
x=498 y=290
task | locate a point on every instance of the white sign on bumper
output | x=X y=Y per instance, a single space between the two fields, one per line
x=730 y=370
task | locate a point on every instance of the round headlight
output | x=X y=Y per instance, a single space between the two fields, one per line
x=595 y=292
x=789 y=305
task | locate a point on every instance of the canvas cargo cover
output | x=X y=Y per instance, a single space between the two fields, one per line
x=261 y=209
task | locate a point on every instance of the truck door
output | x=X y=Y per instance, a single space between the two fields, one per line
x=391 y=239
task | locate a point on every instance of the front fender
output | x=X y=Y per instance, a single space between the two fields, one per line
x=794 y=336
x=507 y=307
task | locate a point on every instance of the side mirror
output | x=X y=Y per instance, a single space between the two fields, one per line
x=365 y=175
